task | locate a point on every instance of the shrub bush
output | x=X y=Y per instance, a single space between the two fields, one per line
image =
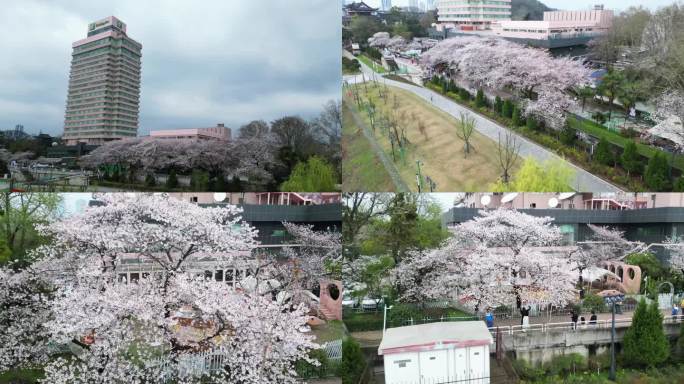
x=353 y=362
x=364 y=322
x=401 y=313
x=594 y=302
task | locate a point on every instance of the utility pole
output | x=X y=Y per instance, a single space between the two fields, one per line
x=611 y=375
x=418 y=176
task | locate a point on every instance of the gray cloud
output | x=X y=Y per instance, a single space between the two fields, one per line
x=204 y=62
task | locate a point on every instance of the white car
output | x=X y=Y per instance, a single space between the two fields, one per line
x=370 y=304
x=349 y=302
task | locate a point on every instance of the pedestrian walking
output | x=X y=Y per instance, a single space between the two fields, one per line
x=573 y=319
x=489 y=318
x=592 y=319
x=525 y=321
x=583 y=322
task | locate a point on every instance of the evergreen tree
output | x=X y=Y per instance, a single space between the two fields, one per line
x=400 y=234
x=150 y=180
x=645 y=344
x=679 y=184
x=603 y=154
x=480 y=100
x=219 y=183
x=464 y=94
x=498 y=105
x=517 y=120
x=172 y=180
x=630 y=159
x=507 y=109
x=568 y=135
x=656 y=175
x=199 y=181
x=353 y=363
x=531 y=123
x=235 y=185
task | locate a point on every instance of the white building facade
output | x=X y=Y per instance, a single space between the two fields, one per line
x=470 y=15
x=558 y=25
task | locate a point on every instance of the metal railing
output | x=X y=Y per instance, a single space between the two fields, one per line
x=575 y=327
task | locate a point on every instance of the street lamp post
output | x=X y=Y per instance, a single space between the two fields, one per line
x=384 y=319
x=611 y=375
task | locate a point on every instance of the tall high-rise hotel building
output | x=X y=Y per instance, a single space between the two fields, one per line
x=472 y=14
x=104 y=85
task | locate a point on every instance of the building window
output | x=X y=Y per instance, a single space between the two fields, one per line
x=193 y=199
x=533 y=205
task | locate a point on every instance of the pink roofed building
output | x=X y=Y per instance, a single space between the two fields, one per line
x=219 y=132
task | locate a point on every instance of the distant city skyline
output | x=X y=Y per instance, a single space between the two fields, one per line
x=221 y=62
x=564 y=4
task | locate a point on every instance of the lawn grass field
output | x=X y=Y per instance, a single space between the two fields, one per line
x=369 y=62
x=361 y=168
x=441 y=153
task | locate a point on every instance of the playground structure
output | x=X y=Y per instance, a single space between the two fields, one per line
x=629 y=281
x=47 y=179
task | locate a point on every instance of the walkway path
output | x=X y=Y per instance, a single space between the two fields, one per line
x=584 y=181
x=373 y=338
x=399 y=183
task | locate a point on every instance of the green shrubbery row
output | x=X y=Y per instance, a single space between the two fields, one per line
x=617 y=164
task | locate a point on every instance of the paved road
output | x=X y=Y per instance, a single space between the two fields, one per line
x=399 y=183
x=584 y=181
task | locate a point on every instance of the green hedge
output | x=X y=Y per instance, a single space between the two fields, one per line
x=620 y=141
x=360 y=322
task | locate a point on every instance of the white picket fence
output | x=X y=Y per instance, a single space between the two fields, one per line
x=211 y=362
x=334 y=349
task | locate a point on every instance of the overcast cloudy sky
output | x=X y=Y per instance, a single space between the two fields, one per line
x=574 y=4
x=204 y=62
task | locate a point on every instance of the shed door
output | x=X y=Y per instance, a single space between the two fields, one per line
x=434 y=367
x=402 y=368
x=477 y=365
x=460 y=367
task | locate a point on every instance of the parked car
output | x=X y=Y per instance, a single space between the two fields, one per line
x=371 y=304
x=349 y=302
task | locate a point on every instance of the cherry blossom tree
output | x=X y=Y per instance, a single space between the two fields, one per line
x=24 y=309
x=494 y=259
x=670 y=113
x=146 y=330
x=252 y=157
x=540 y=81
x=318 y=254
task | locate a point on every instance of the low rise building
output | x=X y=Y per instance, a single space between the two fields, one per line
x=558 y=28
x=219 y=132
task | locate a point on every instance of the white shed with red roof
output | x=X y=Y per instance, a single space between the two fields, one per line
x=437 y=353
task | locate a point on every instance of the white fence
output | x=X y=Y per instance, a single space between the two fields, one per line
x=212 y=362
x=568 y=326
x=334 y=349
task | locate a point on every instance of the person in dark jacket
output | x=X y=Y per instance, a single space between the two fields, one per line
x=593 y=318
